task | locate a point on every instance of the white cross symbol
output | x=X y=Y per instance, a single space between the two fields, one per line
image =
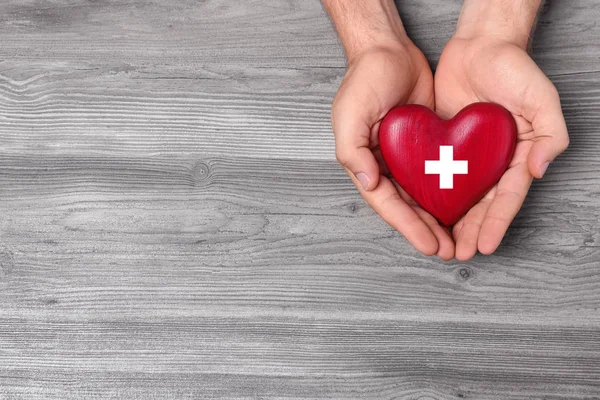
x=446 y=167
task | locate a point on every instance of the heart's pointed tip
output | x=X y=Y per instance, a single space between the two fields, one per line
x=447 y=223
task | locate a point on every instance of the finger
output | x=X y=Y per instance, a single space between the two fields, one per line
x=468 y=235
x=445 y=242
x=457 y=228
x=386 y=202
x=550 y=130
x=512 y=189
x=352 y=149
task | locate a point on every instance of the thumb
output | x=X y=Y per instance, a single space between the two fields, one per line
x=360 y=161
x=352 y=129
x=550 y=131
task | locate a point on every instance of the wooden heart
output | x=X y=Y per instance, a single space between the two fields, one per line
x=448 y=166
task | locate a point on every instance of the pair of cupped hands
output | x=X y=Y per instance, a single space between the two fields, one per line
x=473 y=67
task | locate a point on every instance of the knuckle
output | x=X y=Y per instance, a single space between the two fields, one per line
x=342 y=157
x=553 y=92
x=564 y=143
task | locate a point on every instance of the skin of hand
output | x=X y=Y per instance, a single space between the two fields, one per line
x=385 y=69
x=486 y=60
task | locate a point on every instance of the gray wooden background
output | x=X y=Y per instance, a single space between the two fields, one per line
x=173 y=223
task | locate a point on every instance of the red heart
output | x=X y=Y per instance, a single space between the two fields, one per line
x=483 y=138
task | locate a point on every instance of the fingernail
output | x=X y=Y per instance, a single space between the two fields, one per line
x=544 y=169
x=363 y=179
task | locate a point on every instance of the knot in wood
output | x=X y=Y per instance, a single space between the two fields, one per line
x=201 y=171
x=465 y=273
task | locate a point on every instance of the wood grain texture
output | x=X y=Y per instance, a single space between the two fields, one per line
x=173 y=224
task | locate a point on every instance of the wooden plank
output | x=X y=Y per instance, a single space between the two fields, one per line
x=299 y=358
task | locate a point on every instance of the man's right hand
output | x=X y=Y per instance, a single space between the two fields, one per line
x=378 y=79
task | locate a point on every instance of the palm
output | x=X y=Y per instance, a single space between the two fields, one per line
x=471 y=71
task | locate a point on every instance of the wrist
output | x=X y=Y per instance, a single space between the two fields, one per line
x=509 y=20
x=365 y=25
